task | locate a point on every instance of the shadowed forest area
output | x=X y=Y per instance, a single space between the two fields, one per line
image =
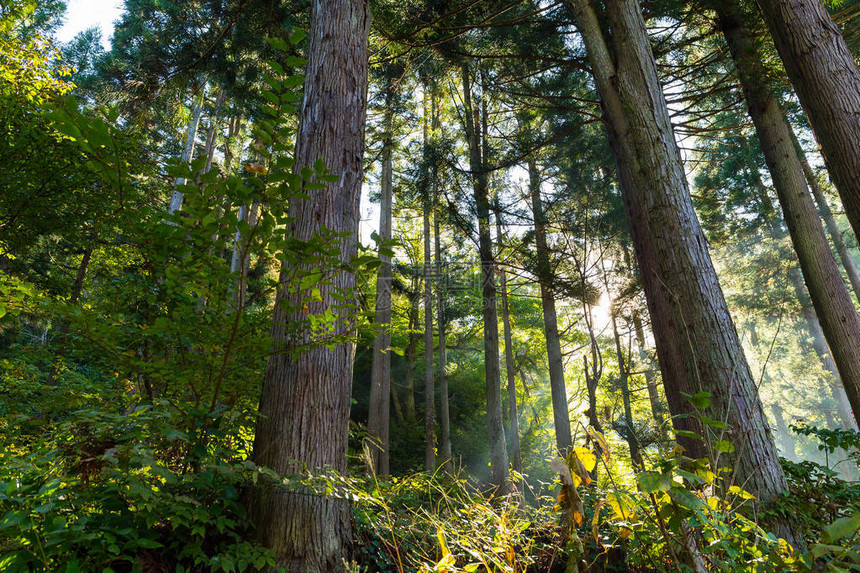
x=431 y=286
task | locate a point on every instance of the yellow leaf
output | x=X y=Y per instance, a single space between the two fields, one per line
x=577 y=517
x=595 y=520
x=625 y=532
x=255 y=168
x=440 y=535
x=586 y=457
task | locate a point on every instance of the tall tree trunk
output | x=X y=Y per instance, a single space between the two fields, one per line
x=444 y=414
x=188 y=150
x=379 y=416
x=513 y=416
x=830 y=297
x=830 y=222
x=827 y=82
x=429 y=382
x=558 y=391
x=305 y=399
x=697 y=343
x=481 y=191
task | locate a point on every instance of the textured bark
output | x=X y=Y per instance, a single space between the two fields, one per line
x=697 y=343
x=305 y=399
x=830 y=298
x=188 y=150
x=827 y=82
x=513 y=415
x=379 y=415
x=558 y=390
x=481 y=191
x=830 y=223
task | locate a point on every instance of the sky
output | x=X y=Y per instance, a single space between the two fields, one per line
x=84 y=14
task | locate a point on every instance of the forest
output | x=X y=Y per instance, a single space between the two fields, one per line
x=431 y=286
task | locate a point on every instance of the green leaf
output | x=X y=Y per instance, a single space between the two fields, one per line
x=149 y=543
x=714 y=423
x=701 y=400
x=724 y=446
x=842 y=527
x=652 y=482
x=297 y=36
x=685 y=498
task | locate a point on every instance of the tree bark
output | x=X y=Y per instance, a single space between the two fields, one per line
x=305 y=399
x=481 y=192
x=379 y=415
x=827 y=81
x=830 y=298
x=697 y=343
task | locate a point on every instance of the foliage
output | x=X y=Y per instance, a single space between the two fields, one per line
x=159 y=485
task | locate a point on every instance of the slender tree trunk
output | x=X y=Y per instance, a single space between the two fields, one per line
x=830 y=222
x=74 y=297
x=481 y=189
x=624 y=379
x=188 y=150
x=411 y=349
x=305 y=399
x=558 y=390
x=379 y=416
x=510 y=371
x=830 y=297
x=444 y=414
x=657 y=408
x=827 y=82
x=697 y=342
x=429 y=382
x=212 y=133
x=783 y=433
